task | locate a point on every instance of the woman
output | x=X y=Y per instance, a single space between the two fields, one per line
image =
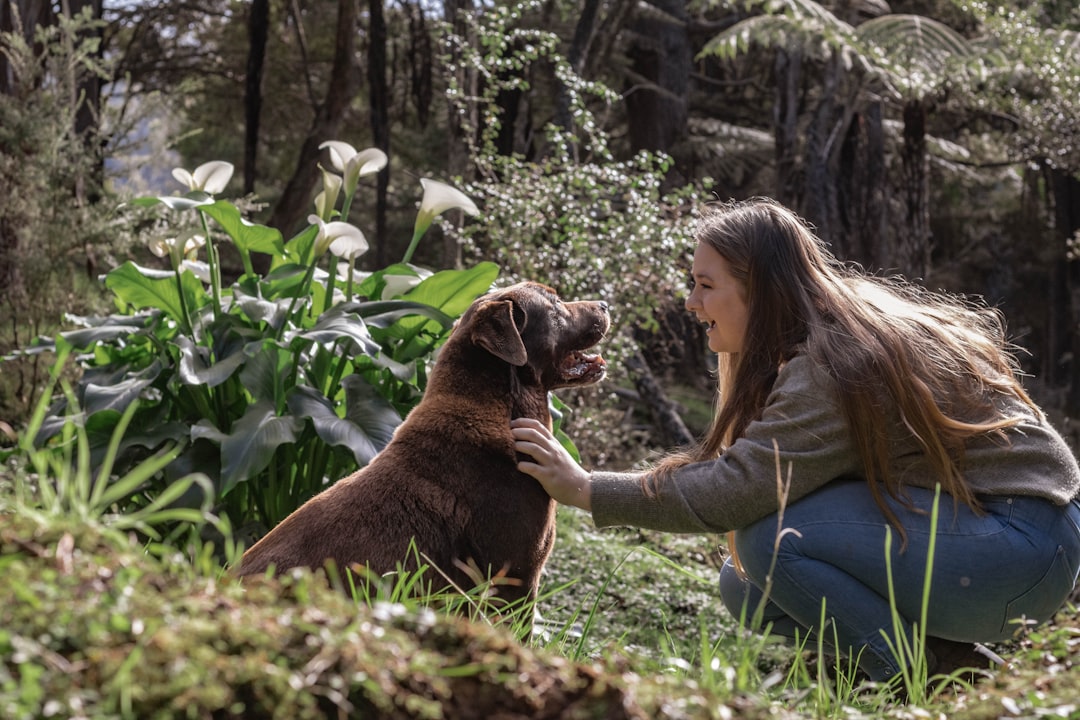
x=862 y=395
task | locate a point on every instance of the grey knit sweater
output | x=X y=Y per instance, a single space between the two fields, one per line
x=803 y=416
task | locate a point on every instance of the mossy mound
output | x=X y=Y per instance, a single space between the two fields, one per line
x=91 y=625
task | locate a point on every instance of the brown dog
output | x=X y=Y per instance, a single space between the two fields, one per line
x=448 y=480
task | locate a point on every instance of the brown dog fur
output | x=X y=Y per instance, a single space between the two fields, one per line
x=448 y=479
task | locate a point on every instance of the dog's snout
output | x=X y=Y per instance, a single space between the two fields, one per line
x=603 y=305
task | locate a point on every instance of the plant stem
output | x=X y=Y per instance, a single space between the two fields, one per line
x=417 y=234
x=215 y=266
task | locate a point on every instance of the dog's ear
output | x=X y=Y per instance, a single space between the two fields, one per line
x=494 y=330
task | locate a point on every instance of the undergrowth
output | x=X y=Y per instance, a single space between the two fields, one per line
x=104 y=616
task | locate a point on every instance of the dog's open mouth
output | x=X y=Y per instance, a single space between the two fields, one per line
x=580 y=367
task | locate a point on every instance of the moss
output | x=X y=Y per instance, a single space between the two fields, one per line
x=92 y=625
x=95 y=627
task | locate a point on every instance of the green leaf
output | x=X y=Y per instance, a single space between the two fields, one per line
x=298 y=250
x=284 y=280
x=452 y=291
x=334 y=326
x=369 y=411
x=147 y=288
x=250 y=447
x=193 y=199
x=369 y=423
x=260 y=310
x=105 y=330
x=194 y=370
x=385 y=313
x=265 y=367
x=557 y=407
x=117 y=396
x=247 y=236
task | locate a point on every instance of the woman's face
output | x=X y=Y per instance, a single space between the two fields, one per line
x=718 y=300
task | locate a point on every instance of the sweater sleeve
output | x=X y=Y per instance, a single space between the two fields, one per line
x=802 y=416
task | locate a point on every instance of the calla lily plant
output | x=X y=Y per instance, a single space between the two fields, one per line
x=278 y=384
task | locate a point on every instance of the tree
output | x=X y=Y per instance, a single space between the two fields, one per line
x=291 y=207
x=258 y=30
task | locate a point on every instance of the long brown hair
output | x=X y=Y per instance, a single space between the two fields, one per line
x=940 y=359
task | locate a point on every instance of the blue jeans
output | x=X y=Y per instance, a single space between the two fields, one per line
x=1016 y=564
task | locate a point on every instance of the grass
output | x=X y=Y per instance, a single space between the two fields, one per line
x=103 y=616
x=98 y=624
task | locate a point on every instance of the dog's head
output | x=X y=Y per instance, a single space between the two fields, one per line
x=528 y=326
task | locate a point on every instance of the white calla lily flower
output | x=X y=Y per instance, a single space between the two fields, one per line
x=210 y=178
x=397 y=285
x=186 y=245
x=326 y=201
x=350 y=246
x=198 y=268
x=354 y=165
x=438 y=198
x=348 y=239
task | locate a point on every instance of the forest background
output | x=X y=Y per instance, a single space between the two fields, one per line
x=931 y=138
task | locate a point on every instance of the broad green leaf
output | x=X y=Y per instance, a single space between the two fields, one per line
x=364 y=431
x=250 y=447
x=193 y=199
x=147 y=288
x=194 y=370
x=117 y=396
x=370 y=411
x=284 y=280
x=374 y=284
x=333 y=327
x=299 y=248
x=104 y=329
x=385 y=313
x=266 y=367
x=260 y=310
x=247 y=236
x=452 y=291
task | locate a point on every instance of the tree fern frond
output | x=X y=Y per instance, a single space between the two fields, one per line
x=765 y=30
x=915 y=39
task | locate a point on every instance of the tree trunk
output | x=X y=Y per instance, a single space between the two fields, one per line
x=379 y=97
x=787 y=69
x=913 y=241
x=420 y=62
x=665 y=416
x=862 y=188
x=258 y=32
x=293 y=204
x=1064 y=300
x=657 y=88
x=459 y=124
x=577 y=56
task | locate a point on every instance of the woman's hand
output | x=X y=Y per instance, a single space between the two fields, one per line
x=552 y=466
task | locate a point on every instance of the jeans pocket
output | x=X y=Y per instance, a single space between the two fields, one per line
x=1043 y=600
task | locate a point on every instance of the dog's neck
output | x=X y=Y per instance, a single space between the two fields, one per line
x=493 y=382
